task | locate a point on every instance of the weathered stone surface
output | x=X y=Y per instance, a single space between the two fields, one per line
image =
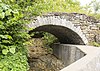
x=97 y=38
x=68 y=20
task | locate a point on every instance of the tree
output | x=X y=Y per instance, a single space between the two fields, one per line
x=93 y=9
x=96 y=6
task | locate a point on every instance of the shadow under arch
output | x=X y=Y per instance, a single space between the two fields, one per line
x=64 y=34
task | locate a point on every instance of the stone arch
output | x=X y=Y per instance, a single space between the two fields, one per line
x=64 y=30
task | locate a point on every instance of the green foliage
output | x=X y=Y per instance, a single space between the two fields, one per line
x=44 y=6
x=15 y=62
x=48 y=39
x=93 y=9
x=12 y=36
x=97 y=16
x=95 y=44
x=32 y=8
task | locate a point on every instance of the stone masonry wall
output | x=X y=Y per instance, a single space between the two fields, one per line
x=89 y=25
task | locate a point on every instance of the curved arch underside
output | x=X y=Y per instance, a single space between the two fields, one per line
x=64 y=30
x=64 y=35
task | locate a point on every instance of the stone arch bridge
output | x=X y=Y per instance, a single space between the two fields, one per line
x=70 y=28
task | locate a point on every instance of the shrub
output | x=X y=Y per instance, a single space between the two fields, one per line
x=13 y=54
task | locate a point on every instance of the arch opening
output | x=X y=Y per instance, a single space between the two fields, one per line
x=64 y=34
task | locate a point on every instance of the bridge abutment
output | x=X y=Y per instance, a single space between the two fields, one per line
x=67 y=53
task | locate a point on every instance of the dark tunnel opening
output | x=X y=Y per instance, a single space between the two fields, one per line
x=64 y=35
